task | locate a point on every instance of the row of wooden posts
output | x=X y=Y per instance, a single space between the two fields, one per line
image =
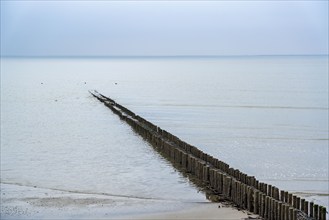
x=245 y=191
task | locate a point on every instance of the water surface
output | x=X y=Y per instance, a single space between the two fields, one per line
x=267 y=116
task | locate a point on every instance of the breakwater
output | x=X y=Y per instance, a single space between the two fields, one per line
x=243 y=190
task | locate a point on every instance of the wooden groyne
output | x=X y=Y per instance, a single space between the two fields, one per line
x=243 y=190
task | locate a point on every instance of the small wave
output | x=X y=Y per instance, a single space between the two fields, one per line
x=83 y=192
x=310 y=193
x=99 y=193
x=245 y=106
x=296 y=180
x=280 y=138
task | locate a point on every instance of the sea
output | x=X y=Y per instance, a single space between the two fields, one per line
x=264 y=115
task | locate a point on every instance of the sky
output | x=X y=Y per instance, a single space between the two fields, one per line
x=163 y=28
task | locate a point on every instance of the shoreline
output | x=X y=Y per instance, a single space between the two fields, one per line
x=203 y=211
x=25 y=202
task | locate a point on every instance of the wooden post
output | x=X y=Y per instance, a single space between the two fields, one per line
x=273 y=192
x=248 y=199
x=245 y=192
x=229 y=182
x=220 y=182
x=270 y=209
x=262 y=204
x=267 y=202
x=290 y=199
x=295 y=214
x=302 y=205
x=282 y=196
x=233 y=191
x=306 y=208
x=276 y=210
x=211 y=177
x=184 y=161
x=273 y=211
x=206 y=174
x=265 y=188
x=291 y=213
x=189 y=163
x=294 y=201
x=277 y=194
x=323 y=213
x=216 y=177
x=316 y=211
x=256 y=204
x=298 y=203
x=257 y=185
x=224 y=185
x=286 y=212
x=252 y=199
x=311 y=209
x=262 y=187
x=280 y=211
x=269 y=192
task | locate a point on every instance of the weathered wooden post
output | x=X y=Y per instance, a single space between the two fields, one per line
x=184 y=161
x=295 y=214
x=220 y=182
x=302 y=205
x=256 y=199
x=262 y=204
x=286 y=197
x=248 y=199
x=270 y=209
x=294 y=201
x=306 y=207
x=290 y=199
x=206 y=173
x=316 y=211
x=269 y=192
x=211 y=177
x=229 y=182
x=267 y=207
x=277 y=194
x=323 y=213
x=291 y=213
x=282 y=196
x=233 y=190
x=286 y=212
x=280 y=211
x=276 y=210
x=298 y=203
x=311 y=209
x=245 y=194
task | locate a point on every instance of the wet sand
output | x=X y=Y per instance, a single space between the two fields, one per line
x=29 y=202
x=202 y=211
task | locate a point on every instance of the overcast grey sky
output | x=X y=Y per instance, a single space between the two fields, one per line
x=114 y=28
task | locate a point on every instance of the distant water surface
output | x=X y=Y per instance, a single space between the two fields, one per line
x=267 y=116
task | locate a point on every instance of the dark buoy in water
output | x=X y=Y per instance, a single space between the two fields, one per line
x=85 y=83
x=42 y=83
x=116 y=83
x=55 y=100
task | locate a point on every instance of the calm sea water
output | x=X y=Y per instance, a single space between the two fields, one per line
x=267 y=116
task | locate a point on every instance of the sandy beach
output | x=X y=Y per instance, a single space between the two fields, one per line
x=28 y=202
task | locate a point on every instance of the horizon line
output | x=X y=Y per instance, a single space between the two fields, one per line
x=153 y=56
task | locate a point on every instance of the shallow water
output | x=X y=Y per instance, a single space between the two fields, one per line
x=267 y=116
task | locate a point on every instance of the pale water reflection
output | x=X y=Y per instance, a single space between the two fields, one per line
x=267 y=116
